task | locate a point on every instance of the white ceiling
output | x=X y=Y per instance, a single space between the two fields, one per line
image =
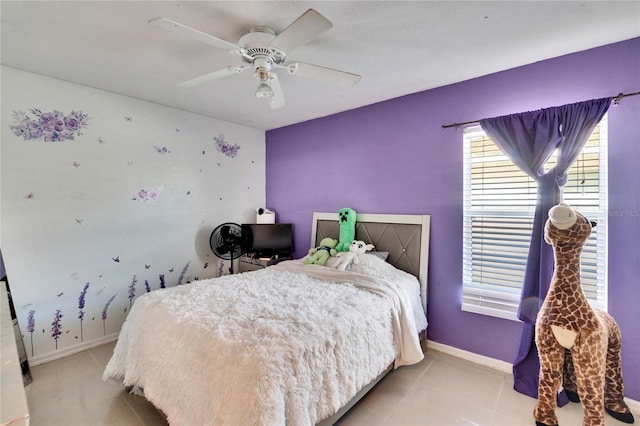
x=397 y=47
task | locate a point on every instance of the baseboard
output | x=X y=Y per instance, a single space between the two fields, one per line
x=499 y=365
x=633 y=405
x=485 y=361
x=51 y=356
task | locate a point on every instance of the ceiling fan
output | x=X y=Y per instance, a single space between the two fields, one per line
x=264 y=51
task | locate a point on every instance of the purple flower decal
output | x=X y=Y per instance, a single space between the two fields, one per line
x=132 y=290
x=51 y=121
x=81 y=301
x=184 y=271
x=71 y=123
x=31 y=326
x=162 y=150
x=148 y=196
x=31 y=322
x=106 y=307
x=162 y=285
x=51 y=126
x=146 y=286
x=225 y=147
x=56 y=326
x=104 y=313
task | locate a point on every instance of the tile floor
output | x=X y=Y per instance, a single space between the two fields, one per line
x=442 y=390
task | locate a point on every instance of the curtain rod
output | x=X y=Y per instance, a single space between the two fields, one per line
x=616 y=101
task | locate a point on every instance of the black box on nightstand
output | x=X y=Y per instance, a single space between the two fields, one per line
x=253 y=261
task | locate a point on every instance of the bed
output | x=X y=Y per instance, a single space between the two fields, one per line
x=289 y=344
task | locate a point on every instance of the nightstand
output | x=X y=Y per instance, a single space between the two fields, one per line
x=251 y=262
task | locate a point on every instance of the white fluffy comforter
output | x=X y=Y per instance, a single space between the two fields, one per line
x=289 y=344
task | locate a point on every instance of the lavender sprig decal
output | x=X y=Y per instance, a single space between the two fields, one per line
x=146 y=286
x=104 y=314
x=184 y=271
x=220 y=268
x=56 y=326
x=132 y=290
x=31 y=326
x=81 y=301
x=162 y=285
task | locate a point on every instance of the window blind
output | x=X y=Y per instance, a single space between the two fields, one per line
x=499 y=203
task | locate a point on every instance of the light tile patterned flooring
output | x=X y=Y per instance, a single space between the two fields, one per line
x=442 y=390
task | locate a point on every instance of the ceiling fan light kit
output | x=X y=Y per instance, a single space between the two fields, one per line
x=263 y=73
x=264 y=50
x=264 y=91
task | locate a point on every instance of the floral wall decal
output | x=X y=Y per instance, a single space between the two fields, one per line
x=184 y=271
x=56 y=326
x=132 y=290
x=81 y=302
x=162 y=150
x=53 y=126
x=225 y=147
x=105 y=312
x=31 y=326
x=222 y=270
x=147 y=196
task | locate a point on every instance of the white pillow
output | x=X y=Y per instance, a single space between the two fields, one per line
x=381 y=254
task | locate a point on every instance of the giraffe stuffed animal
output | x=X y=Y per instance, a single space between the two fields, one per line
x=568 y=325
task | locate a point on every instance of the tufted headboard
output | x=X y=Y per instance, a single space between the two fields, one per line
x=405 y=237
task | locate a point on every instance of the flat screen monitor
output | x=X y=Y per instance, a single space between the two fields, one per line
x=269 y=239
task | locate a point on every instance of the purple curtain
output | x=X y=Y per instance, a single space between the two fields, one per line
x=529 y=139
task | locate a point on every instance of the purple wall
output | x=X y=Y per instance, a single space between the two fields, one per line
x=393 y=157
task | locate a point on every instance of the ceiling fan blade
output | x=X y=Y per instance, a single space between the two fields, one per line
x=340 y=78
x=307 y=27
x=194 y=34
x=277 y=100
x=212 y=76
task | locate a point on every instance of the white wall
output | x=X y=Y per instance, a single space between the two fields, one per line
x=72 y=214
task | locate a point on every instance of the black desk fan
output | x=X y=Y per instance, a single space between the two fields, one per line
x=228 y=242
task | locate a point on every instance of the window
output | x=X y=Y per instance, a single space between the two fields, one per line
x=499 y=203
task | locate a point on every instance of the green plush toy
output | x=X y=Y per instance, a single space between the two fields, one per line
x=347 y=221
x=319 y=255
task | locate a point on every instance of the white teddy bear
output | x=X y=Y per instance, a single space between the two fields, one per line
x=345 y=259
